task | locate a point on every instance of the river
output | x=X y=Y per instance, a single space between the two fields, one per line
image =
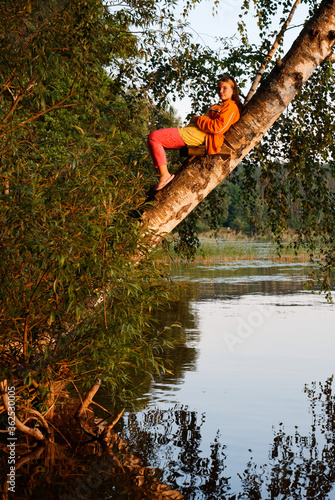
x=245 y=411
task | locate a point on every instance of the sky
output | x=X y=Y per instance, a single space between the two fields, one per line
x=205 y=27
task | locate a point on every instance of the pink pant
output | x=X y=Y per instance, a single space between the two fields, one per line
x=168 y=138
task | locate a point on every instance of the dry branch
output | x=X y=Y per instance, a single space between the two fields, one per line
x=88 y=399
x=107 y=429
x=83 y=408
x=34 y=433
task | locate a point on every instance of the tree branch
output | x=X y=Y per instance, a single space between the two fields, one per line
x=35 y=433
x=84 y=407
x=271 y=53
x=60 y=104
x=18 y=97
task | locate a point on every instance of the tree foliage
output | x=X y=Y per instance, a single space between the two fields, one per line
x=297 y=172
x=74 y=299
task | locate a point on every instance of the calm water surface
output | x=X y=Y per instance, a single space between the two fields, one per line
x=248 y=409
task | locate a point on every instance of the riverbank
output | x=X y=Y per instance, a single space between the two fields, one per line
x=229 y=246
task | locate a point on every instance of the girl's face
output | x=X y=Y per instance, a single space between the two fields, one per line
x=225 y=91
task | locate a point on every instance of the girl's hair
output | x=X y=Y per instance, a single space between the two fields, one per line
x=236 y=97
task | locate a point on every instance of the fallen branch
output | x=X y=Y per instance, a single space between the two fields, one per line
x=42 y=419
x=107 y=429
x=34 y=433
x=88 y=399
x=83 y=408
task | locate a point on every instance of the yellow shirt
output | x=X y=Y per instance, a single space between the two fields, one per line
x=210 y=128
x=192 y=135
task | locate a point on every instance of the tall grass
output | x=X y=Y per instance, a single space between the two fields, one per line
x=243 y=248
x=228 y=251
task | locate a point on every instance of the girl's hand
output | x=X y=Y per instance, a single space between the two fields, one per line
x=194 y=118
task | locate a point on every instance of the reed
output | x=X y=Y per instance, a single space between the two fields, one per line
x=222 y=250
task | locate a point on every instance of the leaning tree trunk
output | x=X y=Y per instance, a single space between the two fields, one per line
x=200 y=175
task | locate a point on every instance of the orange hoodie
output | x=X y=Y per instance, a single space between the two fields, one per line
x=218 y=120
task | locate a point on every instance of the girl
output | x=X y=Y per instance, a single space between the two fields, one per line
x=208 y=129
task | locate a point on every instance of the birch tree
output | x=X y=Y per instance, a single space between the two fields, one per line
x=200 y=175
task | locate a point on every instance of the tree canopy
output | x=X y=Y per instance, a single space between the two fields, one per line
x=73 y=299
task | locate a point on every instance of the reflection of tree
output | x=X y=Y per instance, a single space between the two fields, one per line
x=159 y=448
x=300 y=467
x=183 y=357
x=236 y=278
x=102 y=466
x=175 y=437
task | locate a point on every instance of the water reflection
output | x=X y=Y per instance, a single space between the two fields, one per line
x=174 y=438
x=244 y=277
x=101 y=468
x=299 y=466
x=253 y=338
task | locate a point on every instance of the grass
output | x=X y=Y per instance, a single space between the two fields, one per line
x=231 y=247
x=228 y=251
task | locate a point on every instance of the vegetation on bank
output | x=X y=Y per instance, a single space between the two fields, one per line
x=229 y=246
x=76 y=302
